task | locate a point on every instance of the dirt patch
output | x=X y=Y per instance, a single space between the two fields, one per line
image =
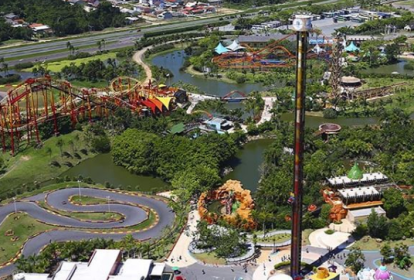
x=25 y=158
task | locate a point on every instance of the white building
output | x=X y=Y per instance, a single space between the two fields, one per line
x=103 y=265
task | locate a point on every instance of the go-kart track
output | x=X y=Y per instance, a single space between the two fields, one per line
x=131 y=206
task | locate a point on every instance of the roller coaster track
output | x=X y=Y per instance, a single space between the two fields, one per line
x=260 y=59
x=39 y=100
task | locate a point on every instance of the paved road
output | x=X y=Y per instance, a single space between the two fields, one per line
x=113 y=40
x=133 y=216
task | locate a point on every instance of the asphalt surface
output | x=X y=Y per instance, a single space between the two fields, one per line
x=133 y=215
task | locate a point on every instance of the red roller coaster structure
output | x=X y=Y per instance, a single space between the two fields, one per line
x=38 y=100
x=274 y=55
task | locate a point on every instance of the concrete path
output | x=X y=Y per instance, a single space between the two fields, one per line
x=137 y=57
x=266 y=115
x=180 y=256
x=195 y=99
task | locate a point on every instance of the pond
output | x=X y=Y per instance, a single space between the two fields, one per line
x=388 y=69
x=101 y=169
x=315 y=121
x=247 y=162
x=174 y=60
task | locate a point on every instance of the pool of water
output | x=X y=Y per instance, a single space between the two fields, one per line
x=174 y=60
x=314 y=121
x=388 y=69
x=247 y=163
x=101 y=169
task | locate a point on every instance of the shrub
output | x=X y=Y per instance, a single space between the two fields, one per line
x=329 y=231
x=330 y=113
x=23 y=65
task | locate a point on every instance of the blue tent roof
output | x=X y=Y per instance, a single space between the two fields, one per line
x=220 y=49
x=351 y=48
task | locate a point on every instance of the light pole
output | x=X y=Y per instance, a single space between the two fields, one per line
x=79 y=188
x=109 y=206
x=15 y=206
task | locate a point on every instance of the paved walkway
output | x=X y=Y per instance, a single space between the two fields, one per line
x=320 y=239
x=195 y=99
x=266 y=115
x=180 y=255
x=137 y=57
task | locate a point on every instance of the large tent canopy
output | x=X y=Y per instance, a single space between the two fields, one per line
x=220 y=49
x=351 y=48
x=235 y=46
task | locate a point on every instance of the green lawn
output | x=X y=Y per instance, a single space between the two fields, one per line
x=23 y=228
x=93 y=216
x=141 y=226
x=32 y=164
x=58 y=65
x=370 y=244
x=96 y=216
x=88 y=84
x=209 y=258
x=278 y=238
x=88 y=200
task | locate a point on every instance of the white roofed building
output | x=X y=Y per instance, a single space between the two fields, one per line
x=103 y=265
x=354 y=195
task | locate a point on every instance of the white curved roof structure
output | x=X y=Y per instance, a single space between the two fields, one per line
x=235 y=46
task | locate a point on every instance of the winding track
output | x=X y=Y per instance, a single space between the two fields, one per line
x=133 y=215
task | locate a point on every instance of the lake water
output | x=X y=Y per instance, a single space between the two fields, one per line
x=388 y=69
x=174 y=60
x=101 y=169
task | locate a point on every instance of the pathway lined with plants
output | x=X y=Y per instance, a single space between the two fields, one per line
x=144 y=217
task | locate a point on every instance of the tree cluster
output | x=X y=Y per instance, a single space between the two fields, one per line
x=62 y=17
x=95 y=70
x=192 y=165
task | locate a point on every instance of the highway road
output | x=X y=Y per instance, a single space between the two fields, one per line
x=120 y=39
x=59 y=199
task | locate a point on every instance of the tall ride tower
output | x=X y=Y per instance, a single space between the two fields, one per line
x=302 y=25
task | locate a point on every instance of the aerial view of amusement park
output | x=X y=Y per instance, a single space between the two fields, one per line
x=214 y=139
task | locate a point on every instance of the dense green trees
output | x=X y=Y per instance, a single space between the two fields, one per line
x=62 y=17
x=97 y=69
x=8 y=32
x=377 y=225
x=191 y=165
x=355 y=259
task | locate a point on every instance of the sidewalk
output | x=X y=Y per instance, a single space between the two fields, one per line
x=180 y=255
x=320 y=239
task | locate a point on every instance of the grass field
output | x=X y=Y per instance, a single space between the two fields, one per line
x=88 y=84
x=209 y=258
x=278 y=238
x=93 y=216
x=58 y=65
x=32 y=164
x=23 y=228
x=88 y=200
x=372 y=245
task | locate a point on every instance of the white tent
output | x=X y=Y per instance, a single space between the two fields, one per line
x=317 y=49
x=235 y=46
